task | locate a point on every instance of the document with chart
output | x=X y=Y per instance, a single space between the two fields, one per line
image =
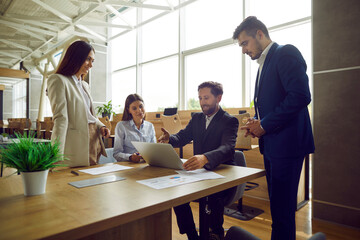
x=183 y=177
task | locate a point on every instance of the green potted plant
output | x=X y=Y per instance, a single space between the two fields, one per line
x=4 y=137
x=105 y=110
x=32 y=160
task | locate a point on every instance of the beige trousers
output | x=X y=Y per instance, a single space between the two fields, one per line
x=94 y=144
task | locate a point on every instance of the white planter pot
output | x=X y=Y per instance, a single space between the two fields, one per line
x=34 y=182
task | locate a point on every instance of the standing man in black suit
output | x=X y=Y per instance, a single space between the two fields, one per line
x=213 y=132
x=281 y=121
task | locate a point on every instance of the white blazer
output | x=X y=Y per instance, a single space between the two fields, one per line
x=70 y=119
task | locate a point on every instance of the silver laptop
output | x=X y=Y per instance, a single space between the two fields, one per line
x=159 y=154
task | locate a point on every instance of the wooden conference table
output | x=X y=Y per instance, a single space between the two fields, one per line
x=118 y=210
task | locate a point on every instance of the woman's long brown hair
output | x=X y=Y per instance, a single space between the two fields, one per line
x=129 y=100
x=74 y=58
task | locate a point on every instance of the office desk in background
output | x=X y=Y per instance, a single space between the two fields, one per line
x=119 y=210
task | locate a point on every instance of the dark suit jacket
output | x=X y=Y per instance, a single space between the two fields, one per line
x=281 y=101
x=217 y=142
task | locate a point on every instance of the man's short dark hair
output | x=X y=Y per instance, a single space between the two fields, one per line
x=216 y=88
x=251 y=25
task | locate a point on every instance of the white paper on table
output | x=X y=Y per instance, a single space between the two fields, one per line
x=104 y=169
x=168 y=181
x=183 y=177
x=201 y=173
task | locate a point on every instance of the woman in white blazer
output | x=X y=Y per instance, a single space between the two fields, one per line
x=75 y=123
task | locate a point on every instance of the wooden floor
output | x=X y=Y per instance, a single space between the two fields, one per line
x=260 y=226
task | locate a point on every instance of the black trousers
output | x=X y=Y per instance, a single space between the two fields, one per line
x=282 y=177
x=185 y=217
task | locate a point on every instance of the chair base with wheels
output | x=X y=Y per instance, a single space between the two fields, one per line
x=232 y=195
x=239 y=211
x=236 y=233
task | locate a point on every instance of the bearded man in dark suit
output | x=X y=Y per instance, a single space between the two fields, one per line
x=213 y=132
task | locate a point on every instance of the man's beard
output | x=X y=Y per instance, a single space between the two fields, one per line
x=210 y=110
x=256 y=56
x=259 y=50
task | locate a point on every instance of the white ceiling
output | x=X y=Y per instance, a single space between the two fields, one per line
x=29 y=29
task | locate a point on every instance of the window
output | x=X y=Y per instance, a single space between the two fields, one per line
x=199 y=35
x=221 y=65
x=160 y=38
x=123 y=84
x=123 y=51
x=276 y=12
x=19 y=90
x=160 y=84
x=209 y=21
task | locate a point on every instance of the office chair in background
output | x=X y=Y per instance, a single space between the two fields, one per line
x=170 y=111
x=171 y=122
x=109 y=158
x=242 y=142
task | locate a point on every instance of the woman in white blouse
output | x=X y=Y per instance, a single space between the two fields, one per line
x=133 y=127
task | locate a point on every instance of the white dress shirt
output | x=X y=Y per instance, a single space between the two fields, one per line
x=208 y=119
x=261 y=61
x=125 y=132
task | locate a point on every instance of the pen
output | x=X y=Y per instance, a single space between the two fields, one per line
x=75 y=173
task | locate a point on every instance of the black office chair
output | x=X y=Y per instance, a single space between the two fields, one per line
x=170 y=111
x=237 y=192
x=237 y=195
x=236 y=233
